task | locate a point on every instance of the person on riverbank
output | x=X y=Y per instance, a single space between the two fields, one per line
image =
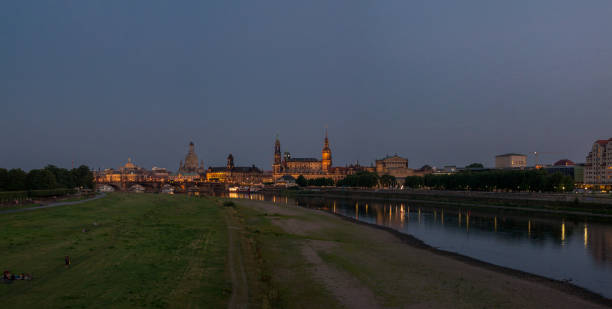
x=67 y=261
x=6 y=275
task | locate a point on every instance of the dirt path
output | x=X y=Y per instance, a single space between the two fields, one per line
x=240 y=287
x=349 y=291
x=365 y=267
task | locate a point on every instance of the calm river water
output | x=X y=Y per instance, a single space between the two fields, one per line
x=562 y=248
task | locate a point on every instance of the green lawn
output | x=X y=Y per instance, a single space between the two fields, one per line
x=138 y=251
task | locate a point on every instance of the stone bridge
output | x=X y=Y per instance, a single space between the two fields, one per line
x=156 y=186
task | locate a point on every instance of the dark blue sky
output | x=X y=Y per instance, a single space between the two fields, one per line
x=439 y=82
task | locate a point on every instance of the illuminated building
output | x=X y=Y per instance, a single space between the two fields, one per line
x=598 y=168
x=234 y=174
x=311 y=168
x=129 y=172
x=395 y=166
x=511 y=160
x=190 y=170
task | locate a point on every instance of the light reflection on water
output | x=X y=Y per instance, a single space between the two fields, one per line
x=571 y=249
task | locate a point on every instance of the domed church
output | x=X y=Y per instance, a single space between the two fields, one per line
x=191 y=166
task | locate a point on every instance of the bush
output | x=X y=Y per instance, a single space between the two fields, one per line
x=361 y=179
x=52 y=192
x=10 y=196
x=13 y=195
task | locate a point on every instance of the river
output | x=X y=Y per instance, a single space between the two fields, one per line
x=574 y=249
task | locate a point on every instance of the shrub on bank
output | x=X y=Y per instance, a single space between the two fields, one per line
x=51 y=192
x=9 y=196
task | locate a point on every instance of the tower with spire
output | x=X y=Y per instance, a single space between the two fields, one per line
x=230 y=162
x=276 y=166
x=326 y=156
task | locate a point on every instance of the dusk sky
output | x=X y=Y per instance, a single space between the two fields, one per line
x=438 y=82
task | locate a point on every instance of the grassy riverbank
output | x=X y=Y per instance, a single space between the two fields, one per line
x=145 y=250
x=136 y=251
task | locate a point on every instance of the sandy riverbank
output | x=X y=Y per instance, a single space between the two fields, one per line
x=365 y=267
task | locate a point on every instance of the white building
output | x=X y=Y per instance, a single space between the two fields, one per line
x=598 y=168
x=511 y=160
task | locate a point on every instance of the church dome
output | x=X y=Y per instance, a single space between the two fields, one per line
x=129 y=164
x=191 y=161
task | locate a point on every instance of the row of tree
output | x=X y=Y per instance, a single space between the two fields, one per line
x=531 y=180
x=50 y=177
x=319 y=182
x=362 y=179
x=493 y=180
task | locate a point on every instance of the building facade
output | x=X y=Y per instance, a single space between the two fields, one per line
x=246 y=175
x=311 y=168
x=598 y=167
x=511 y=160
x=395 y=166
x=130 y=172
x=565 y=167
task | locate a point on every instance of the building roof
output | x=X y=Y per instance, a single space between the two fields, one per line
x=237 y=169
x=302 y=160
x=217 y=169
x=603 y=142
x=129 y=164
x=510 y=154
x=391 y=157
x=564 y=162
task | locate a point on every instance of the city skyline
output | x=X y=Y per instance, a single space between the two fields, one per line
x=438 y=83
x=220 y=157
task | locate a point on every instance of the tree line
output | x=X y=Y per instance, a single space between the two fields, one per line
x=318 y=182
x=495 y=180
x=361 y=179
x=50 y=177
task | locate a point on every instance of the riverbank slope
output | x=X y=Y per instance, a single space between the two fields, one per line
x=364 y=267
x=572 y=204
